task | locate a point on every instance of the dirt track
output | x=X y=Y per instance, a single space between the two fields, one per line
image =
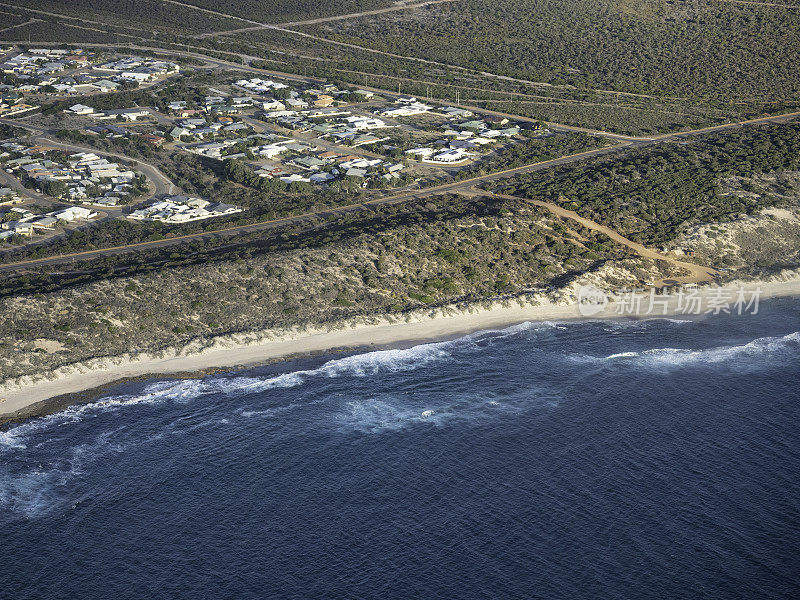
x=698 y=273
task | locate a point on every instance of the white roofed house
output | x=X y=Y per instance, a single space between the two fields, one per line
x=178 y=132
x=236 y=127
x=296 y=103
x=106 y=85
x=295 y=178
x=44 y=222
x=135 y=76
x=463 y=145
x=9 y=196
x=182 y=209
x=404 y=110
x=102 y=168
x=77 y=192
x=192 y=123
x=321 y=177
x=221 y=208
x=211 y=149
x=491 y=133
x=510 y=131
x=450 y=156
x=354 y=172
x=361 y=163
x=272 y=104
x=82 y=158
x=270 y=151
x=128 y=114
x=452 y=111
x=80 y=109
x=63 y=88
x=74 y=213
x=421 y=152
x=357 y=122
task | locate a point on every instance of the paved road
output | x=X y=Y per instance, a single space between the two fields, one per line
x=224 y=64
x=83 y=20
x=286 y=28
x=466 y=186
x=40 y=135
x=12 y=182
x=161 y=183
x=217 y=62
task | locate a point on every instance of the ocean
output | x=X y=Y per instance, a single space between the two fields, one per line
x=639 y=459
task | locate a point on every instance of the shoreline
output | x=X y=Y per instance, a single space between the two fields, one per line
x=30 y=396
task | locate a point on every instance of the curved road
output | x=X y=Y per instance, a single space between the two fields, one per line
x=225 y=64
x=465 y=186
x=161 y=183
x=164 y=185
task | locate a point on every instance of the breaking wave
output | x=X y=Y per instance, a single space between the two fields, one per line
x=360 y=365
x=374 y=415
x=185 y=390
x=766 y=347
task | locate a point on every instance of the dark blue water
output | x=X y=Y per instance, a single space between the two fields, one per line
x=656 y=459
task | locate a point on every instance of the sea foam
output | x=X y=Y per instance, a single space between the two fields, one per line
x=771 y=347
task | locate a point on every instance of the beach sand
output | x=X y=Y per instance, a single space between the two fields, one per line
x=28 y=396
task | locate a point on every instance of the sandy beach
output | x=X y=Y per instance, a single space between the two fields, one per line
x=28 y=396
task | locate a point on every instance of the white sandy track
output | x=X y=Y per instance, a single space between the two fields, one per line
x=697 y=273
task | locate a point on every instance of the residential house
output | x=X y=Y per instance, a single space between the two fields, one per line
x=496 y=119
x=18 y=227
x=323 y=100
x=80 y=109
x=272 y=104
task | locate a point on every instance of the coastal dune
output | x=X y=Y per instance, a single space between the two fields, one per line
x=28 y=396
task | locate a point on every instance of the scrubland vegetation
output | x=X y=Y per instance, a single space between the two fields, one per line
x=437 y=251
x=651 y=194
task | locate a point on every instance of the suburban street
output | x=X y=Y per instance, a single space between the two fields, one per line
x=163 y=185
x=465 y=186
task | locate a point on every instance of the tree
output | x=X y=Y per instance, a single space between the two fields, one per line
x=54 y=187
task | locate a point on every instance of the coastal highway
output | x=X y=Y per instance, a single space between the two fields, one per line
x=464 y=186
x=214 y=62
x=225 y=64
x=164 y=185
